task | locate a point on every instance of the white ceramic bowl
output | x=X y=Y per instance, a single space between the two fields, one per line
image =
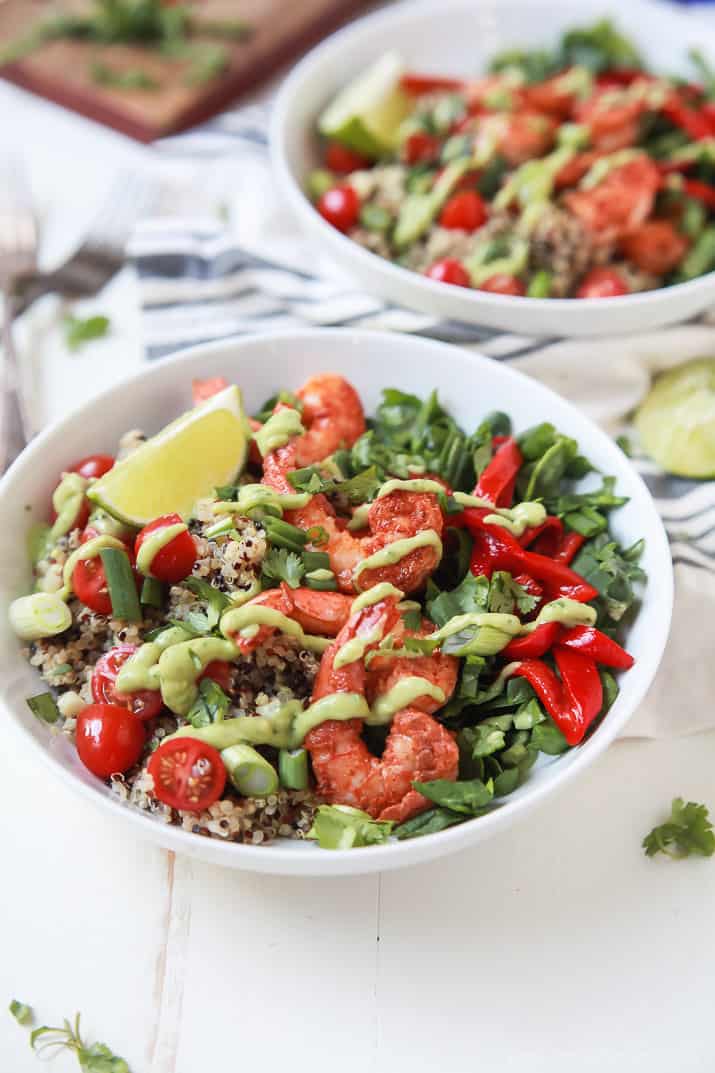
x=458 y=37
x=470 y=386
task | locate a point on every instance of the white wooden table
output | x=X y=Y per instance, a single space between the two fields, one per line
x=558 y=947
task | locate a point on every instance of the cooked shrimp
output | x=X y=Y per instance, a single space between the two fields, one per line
x=418 y=747
x=619 y=203
x=333 y=417
x=518 y=136
x=322 y=613
x=385 y=672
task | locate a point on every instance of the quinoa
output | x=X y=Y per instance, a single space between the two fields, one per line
x=561 y=245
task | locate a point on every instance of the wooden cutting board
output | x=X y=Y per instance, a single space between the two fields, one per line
x=61 y=70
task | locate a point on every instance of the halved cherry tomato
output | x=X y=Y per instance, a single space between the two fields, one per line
x=188 y=774
x=109 y=739
x=340 y=159
x=449 y=270
x=421 y=148
x=175 y=560
x=144 y=703
x=219 y=670
x=602 y=283
x=340 y=206
x=90 y=585
x=464 y=211
x=502 y=283
x=656 y=246
x=201 y=390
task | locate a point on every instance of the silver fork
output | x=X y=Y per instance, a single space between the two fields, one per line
x=18 y=259
x=102 y=253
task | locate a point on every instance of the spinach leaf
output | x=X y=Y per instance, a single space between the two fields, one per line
x=547 y=738
x=584 y=512
x=428 y=823
x=535 y=65
x=470 y=797
x=599 y=48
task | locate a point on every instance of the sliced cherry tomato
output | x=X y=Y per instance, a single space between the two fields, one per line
x=464 y=211
x=421 y=148
x=90 y=585
x=340 y=206
x=188 y=774
x=503 y=283
x=340 y=159
x=109 y=739
x=449 y=270
x=201 y=390
x=144 y=703
x=656 y=247
x=602 y=283
x=175 y=560
x=219 y=670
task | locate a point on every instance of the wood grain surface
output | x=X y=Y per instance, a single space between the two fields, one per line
x=61 y=70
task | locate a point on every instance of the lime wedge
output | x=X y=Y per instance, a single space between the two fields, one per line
x=367 y=113
x=676 y=422
x=183 y=463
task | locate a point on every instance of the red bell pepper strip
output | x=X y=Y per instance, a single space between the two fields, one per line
x=496 y=549
x=417 y=84
x=498 y=479
x=621 y=76
x=570 y=545
x=533 y=645
x=546 y=537
x=695 y=125
x=532 y=587
x=574 y=700
x=700 y=191
x=591 y=642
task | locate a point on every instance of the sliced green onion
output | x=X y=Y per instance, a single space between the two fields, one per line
x=316 y=560
x=250 y=772
x=121 y=585
x=284 y=535
x=152 y=592
x=319 y=182
x=317 y=535
x=375 y=218
x=321 y=584
x=61 y=668
x=21 y=1012
x=41 y=614
x=293 y=768
x=220 y=528
x=540 y=285
x=44 y=707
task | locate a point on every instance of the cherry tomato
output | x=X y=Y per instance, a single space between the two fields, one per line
x=602 y=283
x=90 y=585
x=421 y=148
x=342 y=160
x=656 y=246
x=92 y=466
x=503 y=283
x=144 y=703
x=340 y=206
x=464 y=211
x=109 y=739
x=175 y=560
x=187 y=774
x=201 y=390
x=220 y=671
x=449 y=270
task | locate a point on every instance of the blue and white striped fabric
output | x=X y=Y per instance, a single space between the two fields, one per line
x=238 y=265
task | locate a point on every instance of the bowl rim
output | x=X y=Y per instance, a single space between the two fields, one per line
x=347 y=248
x=275 y=858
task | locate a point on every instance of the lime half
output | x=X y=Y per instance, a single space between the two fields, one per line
x=676 y=422
x=183 y=463
x=366 y=115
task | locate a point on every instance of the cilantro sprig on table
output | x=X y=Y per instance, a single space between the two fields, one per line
x=92 y=1058
x=687 y=832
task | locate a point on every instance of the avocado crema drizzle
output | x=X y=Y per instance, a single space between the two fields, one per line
x=174 y=661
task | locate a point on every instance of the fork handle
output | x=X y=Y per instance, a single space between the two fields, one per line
x=15 y=428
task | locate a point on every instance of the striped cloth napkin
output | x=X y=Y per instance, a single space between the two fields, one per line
x=226 y=259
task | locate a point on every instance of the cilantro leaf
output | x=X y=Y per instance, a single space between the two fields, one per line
x=507 y=596
x=283 y=565
x=612 y=570
x=79 y=331
x=472 y=594
x=210 y=706
x=21 y=1012
x=584 y=511
x=687 y=832
x=216 y=601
